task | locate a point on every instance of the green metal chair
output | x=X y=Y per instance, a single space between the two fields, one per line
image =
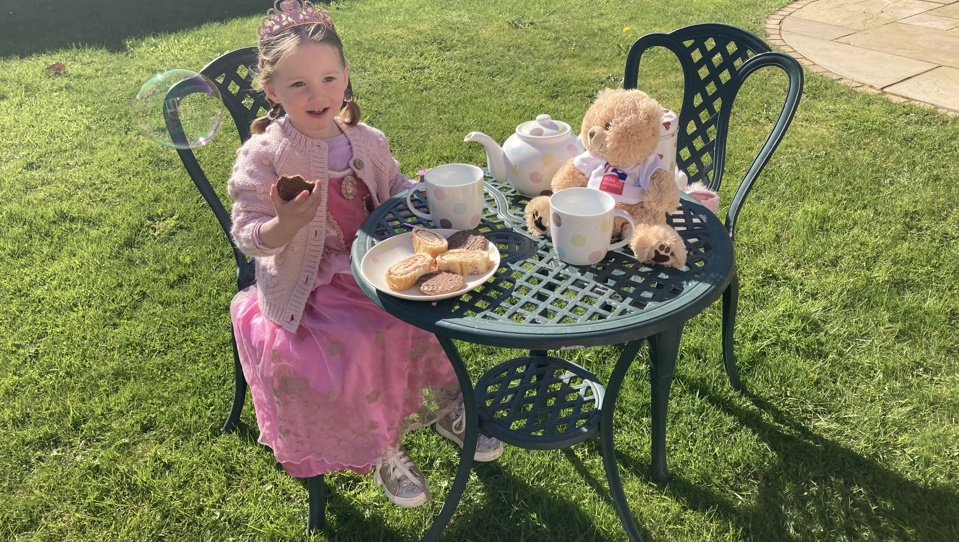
x=716 y=59
x=232 y=73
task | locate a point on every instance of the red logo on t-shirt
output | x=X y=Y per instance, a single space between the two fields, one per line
x=611 y=183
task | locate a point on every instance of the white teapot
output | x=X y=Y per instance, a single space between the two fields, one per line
x=530 y=157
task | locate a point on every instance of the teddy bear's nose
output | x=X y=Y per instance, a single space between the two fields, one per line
x=597 y=136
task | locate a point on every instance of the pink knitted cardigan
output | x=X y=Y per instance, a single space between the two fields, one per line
x=285 y=274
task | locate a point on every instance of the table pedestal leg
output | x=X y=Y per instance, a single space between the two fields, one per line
x=663 y=350
x=469 y=440
x=606 y=438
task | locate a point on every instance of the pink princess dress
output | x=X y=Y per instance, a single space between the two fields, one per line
x=344 y=389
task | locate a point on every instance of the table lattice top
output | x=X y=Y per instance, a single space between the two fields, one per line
x=534 y=300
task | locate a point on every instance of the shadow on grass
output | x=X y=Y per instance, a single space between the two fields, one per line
x=339 y=511
x=29 y=28
x=515 y=509
x=520 y=510
x=799 y=498
x=346 y=520
x=816 y=489
x=243 y=431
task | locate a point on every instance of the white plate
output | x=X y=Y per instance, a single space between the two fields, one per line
x=388 y=252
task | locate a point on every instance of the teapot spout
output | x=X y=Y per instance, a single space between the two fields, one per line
x=496 y=159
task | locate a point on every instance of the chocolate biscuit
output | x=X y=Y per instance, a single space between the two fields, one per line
x=290 y=186
x=467 y=240
x=440 y=282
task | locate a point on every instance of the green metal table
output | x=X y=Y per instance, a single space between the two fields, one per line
x=537 y=303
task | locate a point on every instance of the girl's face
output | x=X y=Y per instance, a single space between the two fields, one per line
x=310 y=83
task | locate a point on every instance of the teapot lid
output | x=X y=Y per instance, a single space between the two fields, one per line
x=543 y=126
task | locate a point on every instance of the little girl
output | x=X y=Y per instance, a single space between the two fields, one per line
x=336 y=382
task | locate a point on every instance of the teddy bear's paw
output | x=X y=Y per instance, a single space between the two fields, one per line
x=663 y=254
x=540 y=223
x=537 y=215
x=659 y=245
x=671 y=252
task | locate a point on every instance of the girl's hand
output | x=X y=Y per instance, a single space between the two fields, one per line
x=291 y=216
x=297 y=212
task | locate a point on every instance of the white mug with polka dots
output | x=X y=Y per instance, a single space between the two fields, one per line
x=454 y=195
x=581 y=225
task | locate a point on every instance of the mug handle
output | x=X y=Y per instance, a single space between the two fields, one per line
x=632 y=229
x=409 y=203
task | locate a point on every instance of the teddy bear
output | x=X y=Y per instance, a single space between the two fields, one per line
x=620 y=132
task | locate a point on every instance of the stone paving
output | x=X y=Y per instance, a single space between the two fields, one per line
x=906 y=49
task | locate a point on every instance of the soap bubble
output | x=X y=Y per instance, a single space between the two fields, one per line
x=199 y=109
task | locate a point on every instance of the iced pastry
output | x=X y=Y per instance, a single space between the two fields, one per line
x=403 y=274
x=428 y=242
x=464 y=262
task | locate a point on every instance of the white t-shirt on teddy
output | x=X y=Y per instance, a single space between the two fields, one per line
x=626 y=185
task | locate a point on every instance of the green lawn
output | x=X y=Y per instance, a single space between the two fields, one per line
x=115 y=363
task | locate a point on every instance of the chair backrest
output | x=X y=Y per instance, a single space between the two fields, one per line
x=232 y=73
x=716 y=59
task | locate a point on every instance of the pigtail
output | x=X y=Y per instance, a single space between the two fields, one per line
x=259 y=125
x=350 y=112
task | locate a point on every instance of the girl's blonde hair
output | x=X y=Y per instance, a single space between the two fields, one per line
x=274 y=48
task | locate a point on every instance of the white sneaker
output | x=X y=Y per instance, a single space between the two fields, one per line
x=453 y=427
x=402 y=482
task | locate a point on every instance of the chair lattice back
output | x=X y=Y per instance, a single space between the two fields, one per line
x=232 y=73
x=716 y=59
